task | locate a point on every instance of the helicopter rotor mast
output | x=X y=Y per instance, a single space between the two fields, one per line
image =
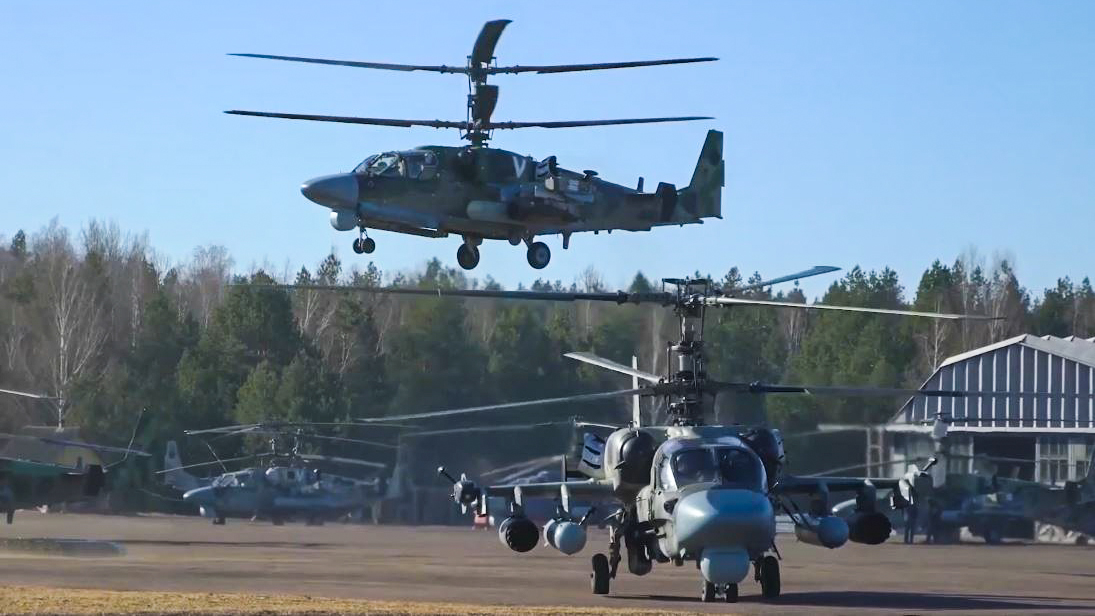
x=478 y=127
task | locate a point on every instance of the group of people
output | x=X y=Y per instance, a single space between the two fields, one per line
x=911 y=494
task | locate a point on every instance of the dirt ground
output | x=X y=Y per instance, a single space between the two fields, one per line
x=411 y=565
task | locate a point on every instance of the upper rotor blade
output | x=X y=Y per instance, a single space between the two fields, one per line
x=513 y=405
x=731 y=301
x=200 y=464
x=828 y=390
x=379 y=65
x=572 y=68
x=501 y=428
x=27 y=394
x=618 y=297
x=813 y=271
x=352 y=120
x=608 y=364
x=576 y=123
x=482 y=52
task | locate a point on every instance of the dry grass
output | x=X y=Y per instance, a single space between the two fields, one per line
x=37 y=600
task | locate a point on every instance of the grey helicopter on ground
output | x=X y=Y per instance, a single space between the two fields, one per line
x=290 y=484
x=685 y=491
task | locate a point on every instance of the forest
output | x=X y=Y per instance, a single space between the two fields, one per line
x=97 y=319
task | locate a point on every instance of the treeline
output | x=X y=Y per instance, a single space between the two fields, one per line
x=98 y=320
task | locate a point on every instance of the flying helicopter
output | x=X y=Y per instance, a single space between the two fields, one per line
x=46 y=465
x=479 y=192
x=289 y=485
x=686 y=491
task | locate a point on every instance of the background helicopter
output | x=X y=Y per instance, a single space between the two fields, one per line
x=485 y=193
x=992 y=504
x=686 y=491
x=290 y=484
x=48 y=466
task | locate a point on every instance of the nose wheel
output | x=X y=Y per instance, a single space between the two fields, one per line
x=711 y=591
x=467 y=256
x=599 y=578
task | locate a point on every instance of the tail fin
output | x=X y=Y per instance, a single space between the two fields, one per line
x=703 y=197
x=178 y=479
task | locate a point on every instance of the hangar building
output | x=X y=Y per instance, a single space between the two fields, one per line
x=1058 y=434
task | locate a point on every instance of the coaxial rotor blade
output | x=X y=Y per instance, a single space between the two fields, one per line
x=618 y=297
x=377 y=65
x=27 y=394
x=201 y=464
x=502 y=428
x=321 y=437
x=577 y=123
x=572 y=68
x=98 y=448
x=513 y=405
x=353 y=120
x=765 y=388
x=482 y=52
x=339 y=460
x=608 y=364
x=813 y=271
x=738 y=301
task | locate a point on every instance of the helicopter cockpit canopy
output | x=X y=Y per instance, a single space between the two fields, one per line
x=412 y=164
x=732 y=466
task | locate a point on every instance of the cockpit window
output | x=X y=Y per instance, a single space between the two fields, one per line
x=729 y=466
x=421 y=165
x=381 y=164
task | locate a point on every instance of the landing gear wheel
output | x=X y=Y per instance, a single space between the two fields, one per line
x=538 y=255
x=599 y=577
x=276 y=521
x=467 y=256
x=11 y=518
x=992 y=536
x=709 y=592
x=731 y=594
x=218 y=521
x=368 y=245
x=1081 y=540
x=769 y=577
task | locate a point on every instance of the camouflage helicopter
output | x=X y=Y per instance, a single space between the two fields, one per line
x=685 y=491
x=482 y=193
x=289 y=485
x=47 y=466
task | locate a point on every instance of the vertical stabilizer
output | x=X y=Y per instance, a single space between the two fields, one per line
x=703 y=196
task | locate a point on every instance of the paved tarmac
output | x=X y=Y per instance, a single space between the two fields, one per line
x=394 y=563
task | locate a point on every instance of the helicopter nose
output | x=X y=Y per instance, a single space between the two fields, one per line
x=333 y=191
x=724 y=518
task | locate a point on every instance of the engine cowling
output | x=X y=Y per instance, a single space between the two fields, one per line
x=518 y=533
x=870 y=527
x=343 y=220
x=828 y=532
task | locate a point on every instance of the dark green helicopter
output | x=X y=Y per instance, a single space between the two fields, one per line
x=480 y=192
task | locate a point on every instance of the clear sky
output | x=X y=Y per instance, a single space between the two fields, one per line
x=871 y=133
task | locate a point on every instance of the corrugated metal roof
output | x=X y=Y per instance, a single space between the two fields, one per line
x=1019 y=368
x=1081 y=350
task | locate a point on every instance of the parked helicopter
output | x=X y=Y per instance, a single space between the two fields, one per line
x=48 y=466
x=686 y=491
x=482 y=193
x=289 y=485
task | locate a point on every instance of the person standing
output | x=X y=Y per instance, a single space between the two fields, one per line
x=907 y=489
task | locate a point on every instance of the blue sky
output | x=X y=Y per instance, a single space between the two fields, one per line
x=871 y=133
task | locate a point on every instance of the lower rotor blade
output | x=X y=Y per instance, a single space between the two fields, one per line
x=513 y=405
x=765 y=388
x=353 y=120
x=608 y=364
x=735 y=301
x=27 y=394
x=201 y=464
x=341 y=460
x=578 y=123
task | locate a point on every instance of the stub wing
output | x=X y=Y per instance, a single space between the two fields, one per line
x=564 y=491
x=789 y=485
